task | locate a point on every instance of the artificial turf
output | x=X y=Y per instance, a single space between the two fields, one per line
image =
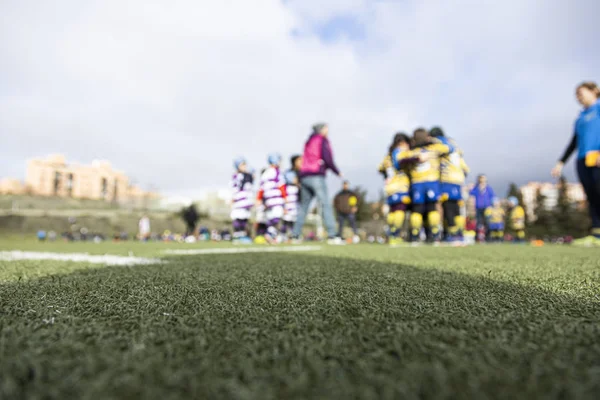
x=345 y=322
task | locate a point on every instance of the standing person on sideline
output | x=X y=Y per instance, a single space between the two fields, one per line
x=293 y=195
x=495 y=216
x=346 y=207
x=587 y=140
x=316 y=160
x=517 y=219
x=190 y=217
x=144 y=228
x=484 y=197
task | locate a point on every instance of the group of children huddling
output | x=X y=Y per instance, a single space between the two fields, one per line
x=276 y=201
x=495 y=219
x=424 y=175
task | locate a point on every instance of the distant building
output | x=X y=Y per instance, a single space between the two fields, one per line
x=11 y=186
x=53 y=176
x=549 y=190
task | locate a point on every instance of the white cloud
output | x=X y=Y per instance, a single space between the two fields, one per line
x=170 y=92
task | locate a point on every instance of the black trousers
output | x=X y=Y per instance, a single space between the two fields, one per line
x=590 y=180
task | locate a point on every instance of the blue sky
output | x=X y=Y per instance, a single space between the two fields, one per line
x=340 y=27
x=171 y=93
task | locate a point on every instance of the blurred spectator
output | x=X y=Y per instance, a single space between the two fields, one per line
x=484 y=195
x=316 y=160
x=346 y=206
x=586 y=140
x=144 y=228
x=204 y=233
x=190 y=217
x=471 y=224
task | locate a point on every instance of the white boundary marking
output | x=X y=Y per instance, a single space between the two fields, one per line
x=266 y=249
x=108 y=259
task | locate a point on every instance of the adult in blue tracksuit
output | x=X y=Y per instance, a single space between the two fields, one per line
x=484 y=197
x=587 y=142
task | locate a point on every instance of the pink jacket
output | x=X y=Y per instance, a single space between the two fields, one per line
x=317 y=157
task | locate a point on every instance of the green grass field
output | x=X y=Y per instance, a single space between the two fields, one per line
x=343 y=322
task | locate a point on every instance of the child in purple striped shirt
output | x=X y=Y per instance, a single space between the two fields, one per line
x=293 y=195
x=272 y=194
x=241 y=185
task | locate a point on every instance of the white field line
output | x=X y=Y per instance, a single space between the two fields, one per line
x=238 y=250
x=76 y=257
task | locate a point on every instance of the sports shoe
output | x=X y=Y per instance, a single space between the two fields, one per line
x=588 y=241
x=336 y=241
x=395 y=241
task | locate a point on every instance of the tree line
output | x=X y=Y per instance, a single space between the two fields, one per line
x=567 y=218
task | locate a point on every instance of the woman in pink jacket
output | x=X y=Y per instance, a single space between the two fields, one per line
x=317 y=159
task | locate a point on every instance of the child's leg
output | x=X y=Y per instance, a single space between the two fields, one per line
x=240 y=228
x=274 y=216
x=416 y=222
x=433 y=220
x=261 y=229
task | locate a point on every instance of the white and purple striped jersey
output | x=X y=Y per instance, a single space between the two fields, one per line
x=242 y=200
x=293 y=196
x=271 y=184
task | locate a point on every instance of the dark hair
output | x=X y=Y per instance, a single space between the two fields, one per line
x=589 y=85
x=421 y=136
x=436 y=131
x=294 y=158
x=318 y=127
x=399 y=138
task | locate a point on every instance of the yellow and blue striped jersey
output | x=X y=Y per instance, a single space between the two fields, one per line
x=397 y=180
x=495 y=215
x=453 y=167
x=425 y=171
x=517 y=218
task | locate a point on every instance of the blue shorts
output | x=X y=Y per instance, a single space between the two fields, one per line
x=451 y=190
x=496 y=226
x=398 y=198
x=425 y=192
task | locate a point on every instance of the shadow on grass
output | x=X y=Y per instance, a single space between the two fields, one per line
x=274 y=326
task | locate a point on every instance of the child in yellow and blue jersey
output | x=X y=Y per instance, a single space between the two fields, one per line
x=517 y=219
x=397 y=187
x=424 y=174
x=495 y=216
x=454 y=171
